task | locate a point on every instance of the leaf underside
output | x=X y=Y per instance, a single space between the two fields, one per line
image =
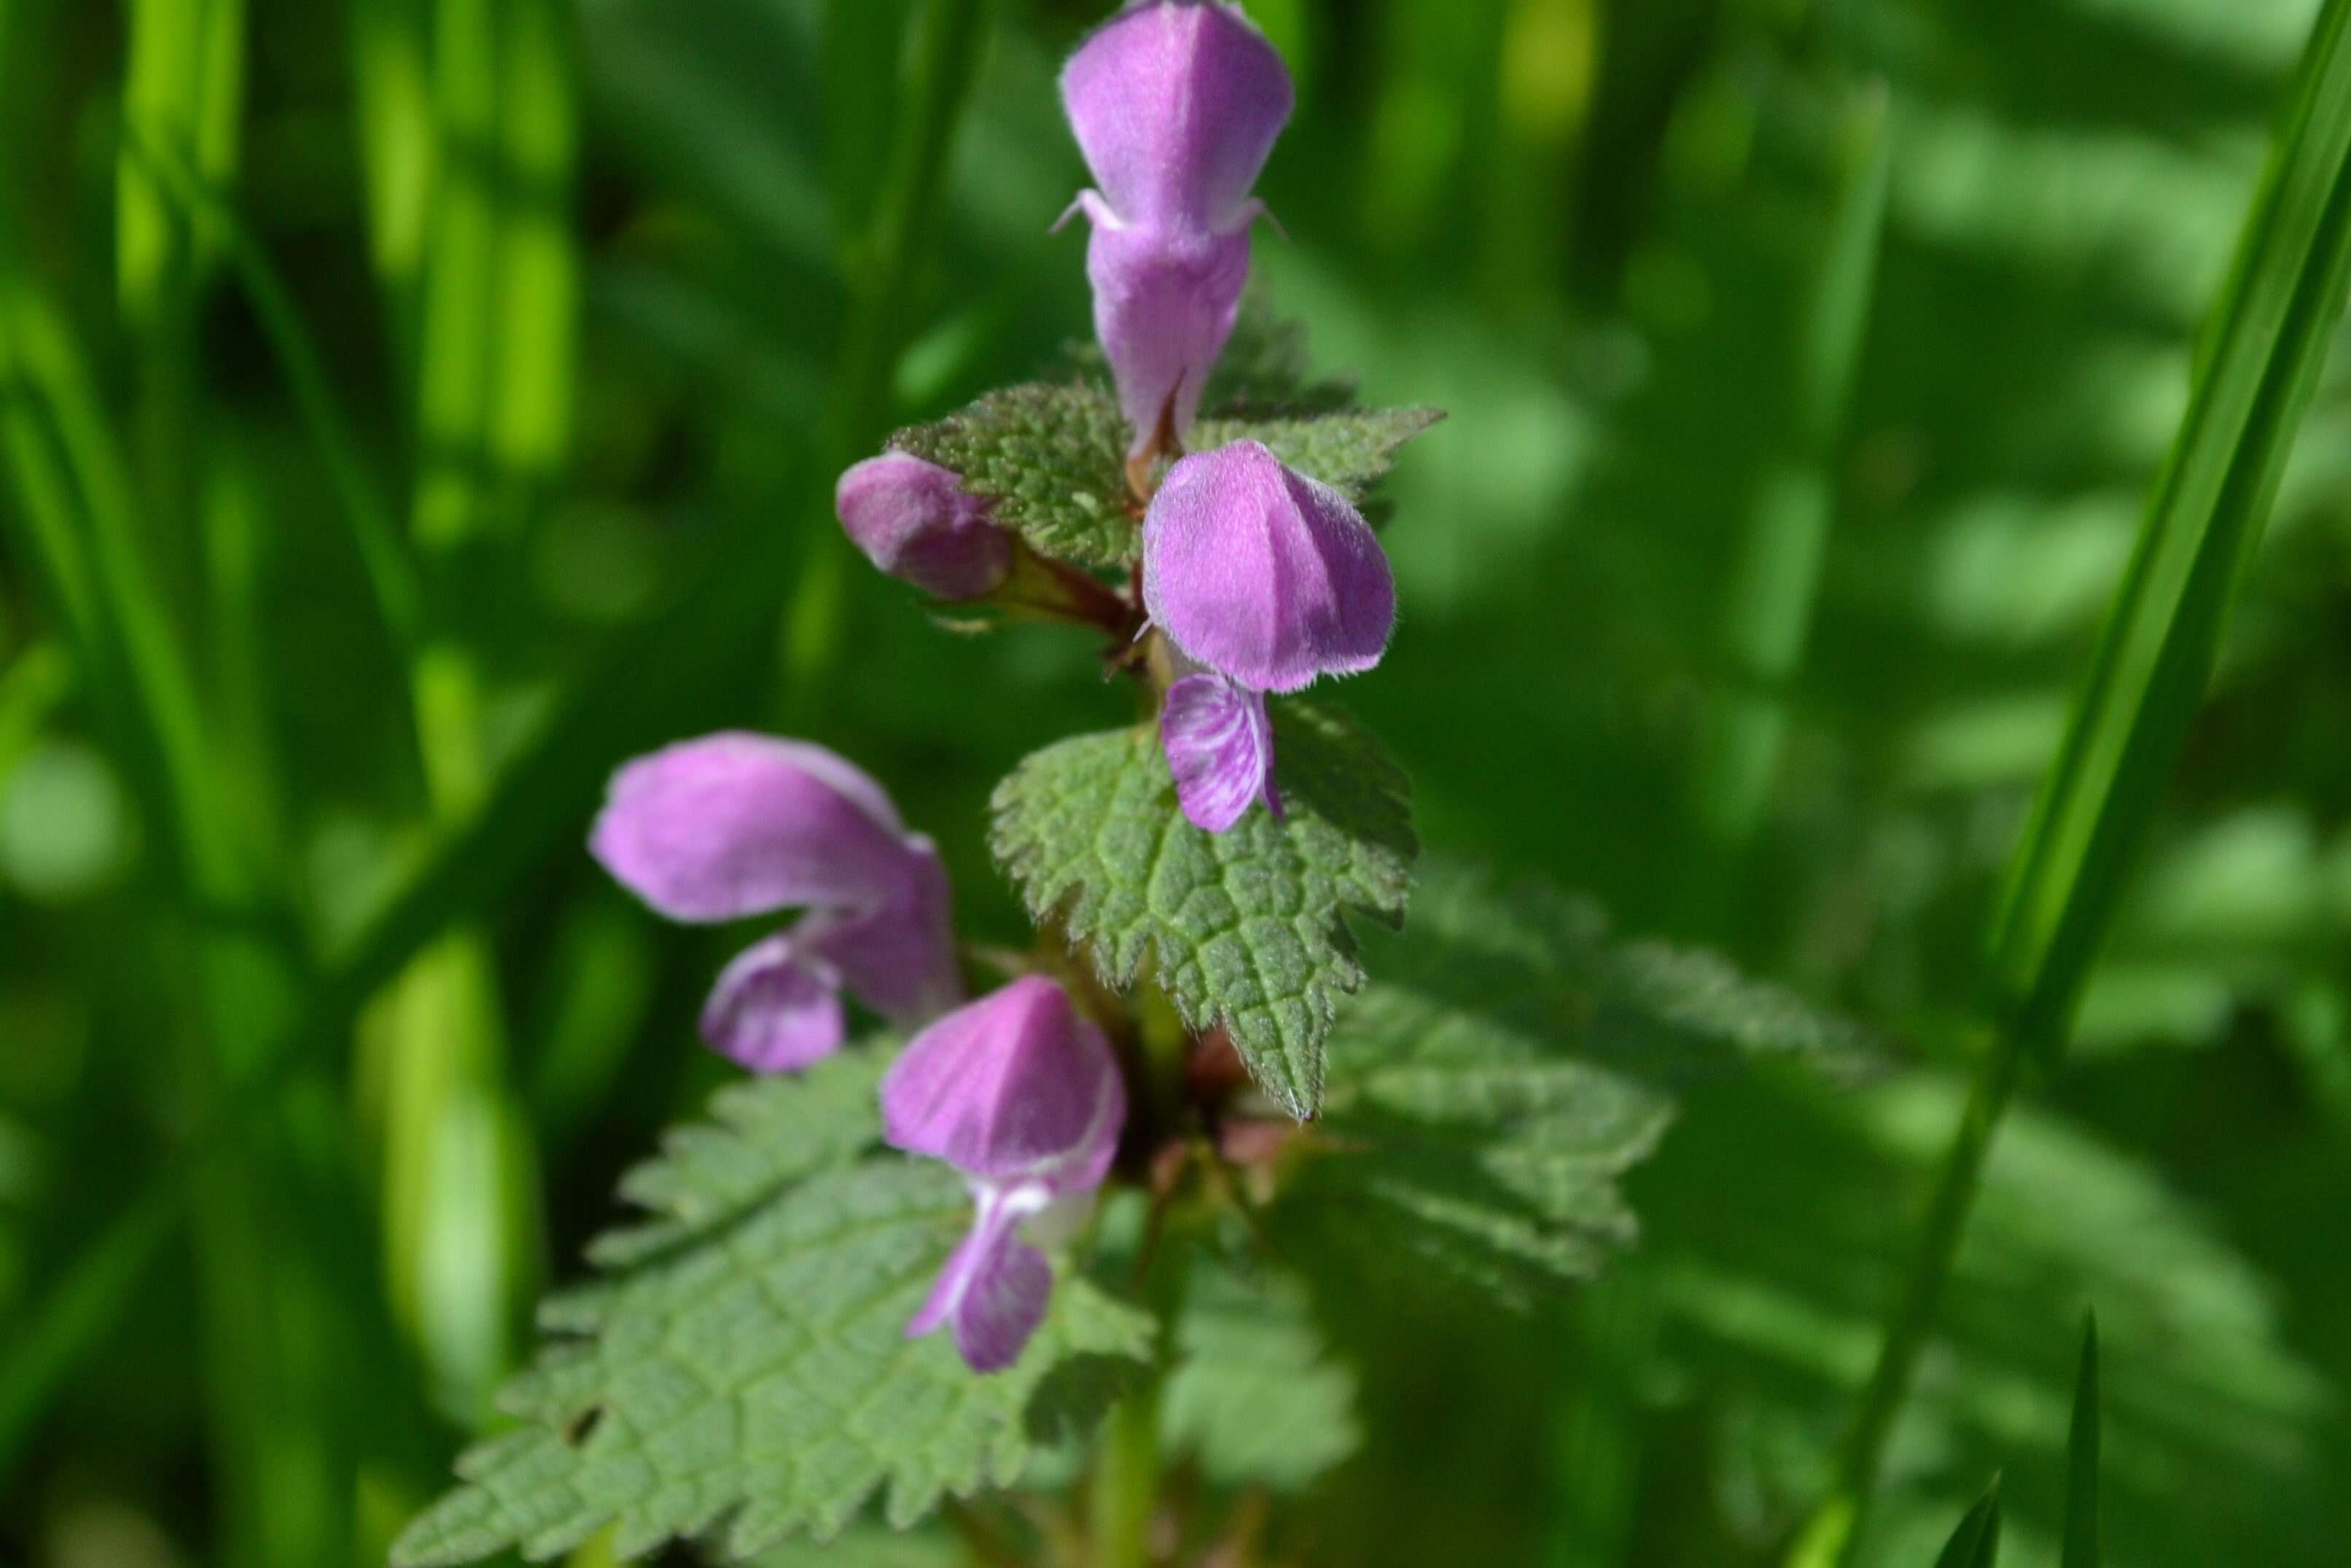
x=1242 y=928
x=1510 y=1061
x=745 y=1376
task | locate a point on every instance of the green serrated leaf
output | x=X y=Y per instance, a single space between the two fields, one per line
x=1255 y=1398
x=1052 y=456
x=1244 y=928
x=868 y=1546
x=1975 y=1543
x=1348 y=450
x=747 y=1377
x=1508 y=1063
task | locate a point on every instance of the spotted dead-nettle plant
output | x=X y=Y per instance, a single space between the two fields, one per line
x=968 y=1200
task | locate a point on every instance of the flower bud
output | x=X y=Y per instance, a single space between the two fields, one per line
x=915 y=521
x=1176 y=104
x=1264 y=575
x=734 y=824
x=1021 y=1094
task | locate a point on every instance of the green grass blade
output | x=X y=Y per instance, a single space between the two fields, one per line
x=652 y=685
x=392 y=93
x=1774 y=587
x=1975 y=1543
x=185 y=90
x=2082 y=1457
x=391 y=572
x=2268 y=334
x=945 y=55
x=2266 y=342
x=76 y=1314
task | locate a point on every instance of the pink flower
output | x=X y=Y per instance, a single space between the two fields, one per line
x=1176 y=104
x=734 y=825
x=1021 y=1094
x=1264 y=581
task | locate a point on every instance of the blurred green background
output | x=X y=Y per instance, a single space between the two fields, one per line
x=414 y=407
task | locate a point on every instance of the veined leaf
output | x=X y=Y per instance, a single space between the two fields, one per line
x=1243 y=928
x=1510 y=1061
x=742 y=1371
x=1053 y=459
x=1348 y=449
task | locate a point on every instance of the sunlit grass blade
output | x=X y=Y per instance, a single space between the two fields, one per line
x=2263 y=346
x=494 y=390
x=2276 y=316
x=2082 y=1459
x=649 y=685
x=185 y=90
x=1975 y=1543
x=391 y=92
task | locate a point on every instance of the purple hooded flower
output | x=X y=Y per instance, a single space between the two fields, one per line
x=915 y=521
x=1021 y=1094
x=734 y=825
x=1263 y=580
x=1176 y=104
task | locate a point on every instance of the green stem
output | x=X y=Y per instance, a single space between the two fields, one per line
x=1126 y=1491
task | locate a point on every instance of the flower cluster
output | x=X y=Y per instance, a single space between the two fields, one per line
x=1260 y=579
x=1255 y=579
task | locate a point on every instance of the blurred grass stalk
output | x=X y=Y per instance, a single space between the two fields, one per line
x=885 y=232
x=647 y=680
x=470 y=188
x=264 y=1285
x=2259 y=364
x=1775 y=585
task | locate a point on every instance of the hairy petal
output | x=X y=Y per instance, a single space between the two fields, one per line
x=1263 y=574
x=736 y=824
x=899 y=960
x=1176 y=104
x=1014 y=1087
x=1219 y=745
x=1165 y=304
x=994 y=1288
x=776 y=1008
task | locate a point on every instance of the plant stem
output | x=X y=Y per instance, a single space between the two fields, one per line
x=1126 y=1490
